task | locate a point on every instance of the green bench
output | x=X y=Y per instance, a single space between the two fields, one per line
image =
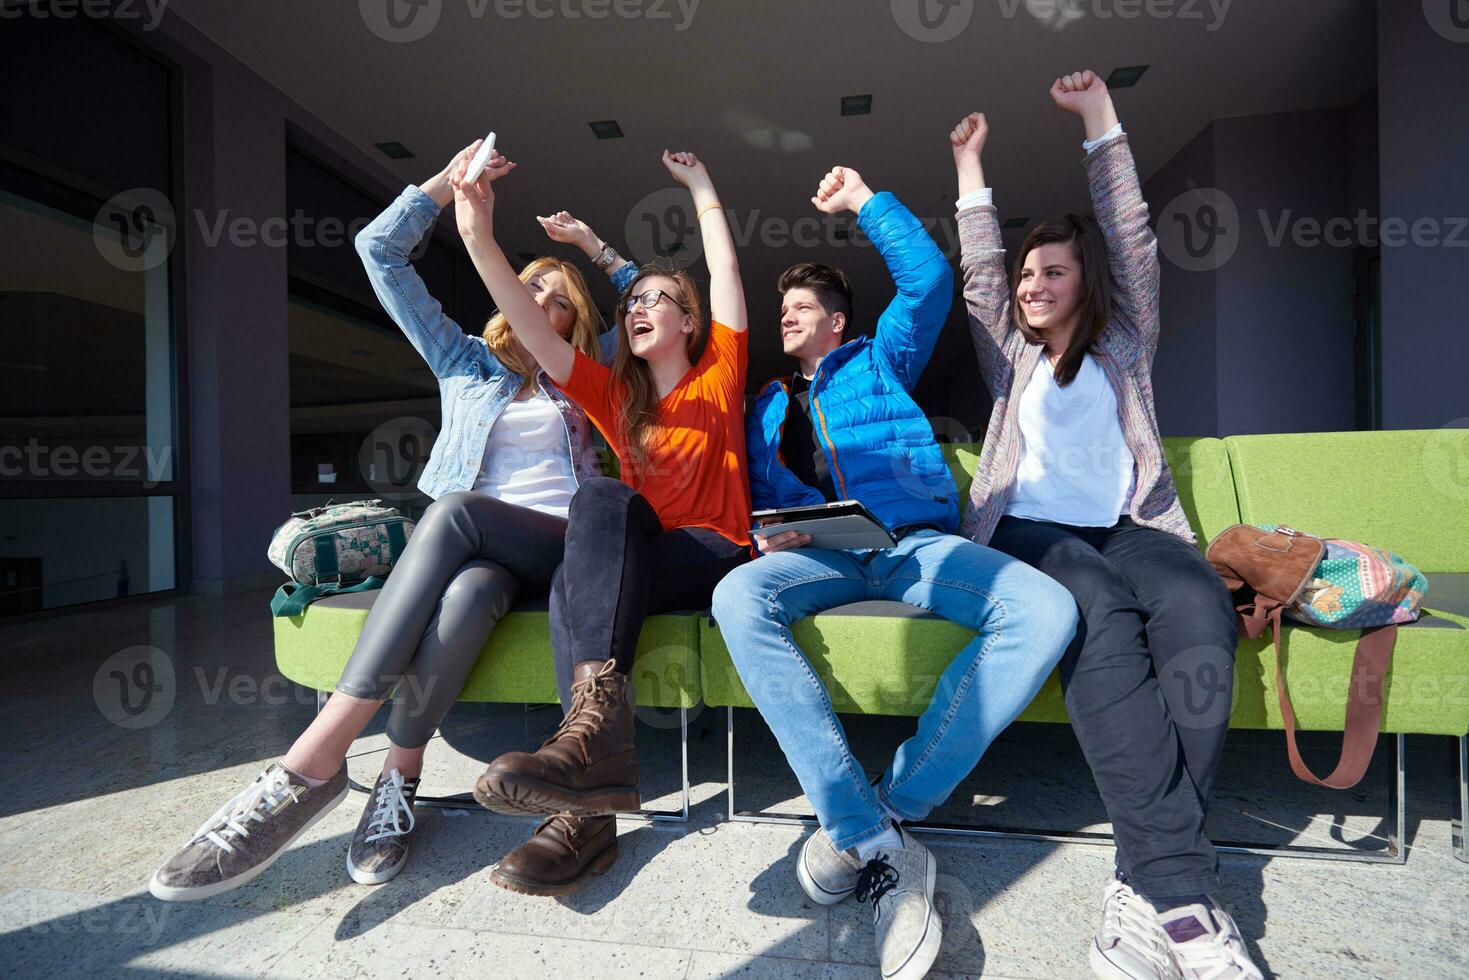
x=886 y=658
x=514 y=667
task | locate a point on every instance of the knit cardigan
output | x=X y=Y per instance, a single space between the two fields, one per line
x=1124 y=350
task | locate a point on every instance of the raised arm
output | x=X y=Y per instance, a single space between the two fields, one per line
x=474 y=212
x=982 y=254
x=384 y=246
x=909 y=327
x=726 y=292
x=563 y=227
x=1117 y=201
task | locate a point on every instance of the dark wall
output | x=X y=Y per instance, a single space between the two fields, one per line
x=1423 y=119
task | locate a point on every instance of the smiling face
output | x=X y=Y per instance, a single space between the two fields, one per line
x=1050 y=291
x=549 y=289
x=665 y=328
x=808 y=330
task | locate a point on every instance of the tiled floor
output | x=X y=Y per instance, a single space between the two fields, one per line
x=95 y=797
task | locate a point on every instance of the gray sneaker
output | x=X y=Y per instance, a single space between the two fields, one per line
x=1130 y=942
x=379 y=848
x=899 y=883
x=826 y=874
x=247 y=834
x=1207 y=943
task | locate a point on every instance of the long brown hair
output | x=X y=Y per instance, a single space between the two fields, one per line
x=638 y=414
x=1089 y=249
x=501 y=340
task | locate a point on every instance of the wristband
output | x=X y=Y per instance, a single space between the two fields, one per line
x=709 y=207
x=605 y=258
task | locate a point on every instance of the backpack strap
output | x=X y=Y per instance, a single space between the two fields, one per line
x=1364 y=706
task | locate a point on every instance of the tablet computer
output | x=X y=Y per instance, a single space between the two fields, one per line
x=845 y=525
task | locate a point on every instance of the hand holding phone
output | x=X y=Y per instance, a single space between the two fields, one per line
x=481 y=159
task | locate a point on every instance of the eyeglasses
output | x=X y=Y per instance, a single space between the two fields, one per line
x=650 y=300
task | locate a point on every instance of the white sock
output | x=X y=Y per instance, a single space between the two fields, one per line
x=895 y=818
x=887 y=840
x=311 y=782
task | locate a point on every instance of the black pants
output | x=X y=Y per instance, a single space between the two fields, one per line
x=1149 y=683
x=468 y=560
x=620 y=566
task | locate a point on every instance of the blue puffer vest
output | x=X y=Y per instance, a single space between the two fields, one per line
x=879 y=446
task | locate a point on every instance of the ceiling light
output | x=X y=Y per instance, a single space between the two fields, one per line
x=395 y=150
x=856 y=105
x=606 y=129
x=1125 y=77
x=1014 y=222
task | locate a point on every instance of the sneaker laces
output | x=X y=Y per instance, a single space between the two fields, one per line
x=875 y=880
x=582 y=721
x=1132 y=918
x=266 y=793
x=1219 y=955
x=389 y=807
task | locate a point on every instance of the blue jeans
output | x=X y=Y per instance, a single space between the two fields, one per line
x=1025 y=621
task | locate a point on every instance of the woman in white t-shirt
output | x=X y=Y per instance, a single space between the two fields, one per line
x=1074 y=482
x=510 y=454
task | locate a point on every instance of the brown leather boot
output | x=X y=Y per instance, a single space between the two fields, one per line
x=559 y=855
x=588 y=767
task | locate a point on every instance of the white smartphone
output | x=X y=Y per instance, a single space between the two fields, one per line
x=481 y=159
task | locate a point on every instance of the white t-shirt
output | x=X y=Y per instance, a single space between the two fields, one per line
x=527 y=461
x=1075 y=467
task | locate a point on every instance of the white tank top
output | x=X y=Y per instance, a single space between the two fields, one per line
x=1075 y=467
x=527 y=461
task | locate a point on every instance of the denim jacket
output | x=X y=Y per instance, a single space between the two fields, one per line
x=474 y=386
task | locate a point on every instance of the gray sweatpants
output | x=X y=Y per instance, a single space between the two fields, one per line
x=468 y=560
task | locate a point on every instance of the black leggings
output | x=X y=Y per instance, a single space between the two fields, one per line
x=621 y=566
x=1149 y=683
x=466 y=563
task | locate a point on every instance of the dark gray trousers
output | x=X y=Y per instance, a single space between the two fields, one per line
x=466 y=563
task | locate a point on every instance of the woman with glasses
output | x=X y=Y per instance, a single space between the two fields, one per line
x=671 y=406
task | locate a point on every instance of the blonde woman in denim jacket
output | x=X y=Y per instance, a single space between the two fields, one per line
x=1073 y=481
x=510 y=454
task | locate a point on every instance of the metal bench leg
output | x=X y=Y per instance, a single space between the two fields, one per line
x=1396 y=819
x=1461 y=804
x=466 y=801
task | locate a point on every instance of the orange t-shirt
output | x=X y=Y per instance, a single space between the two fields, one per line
x=696 y=474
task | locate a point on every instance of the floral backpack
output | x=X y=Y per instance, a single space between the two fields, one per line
x=1275 y=570
x=335 y=548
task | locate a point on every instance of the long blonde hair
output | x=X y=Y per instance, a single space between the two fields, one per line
x=501 y=340
x=638 y=414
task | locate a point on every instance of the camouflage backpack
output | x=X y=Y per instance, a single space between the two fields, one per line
x=335 y=548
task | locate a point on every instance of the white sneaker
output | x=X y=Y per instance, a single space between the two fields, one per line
x=899 y=882
x=1207 y=943
x=1131 y=943
x=826 y=874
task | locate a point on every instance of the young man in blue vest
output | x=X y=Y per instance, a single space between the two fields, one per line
x=845 y=427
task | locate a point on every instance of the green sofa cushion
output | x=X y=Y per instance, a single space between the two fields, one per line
x=863 y=651
x=514 y=666
x=1404 y=491
x=1200 y=470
